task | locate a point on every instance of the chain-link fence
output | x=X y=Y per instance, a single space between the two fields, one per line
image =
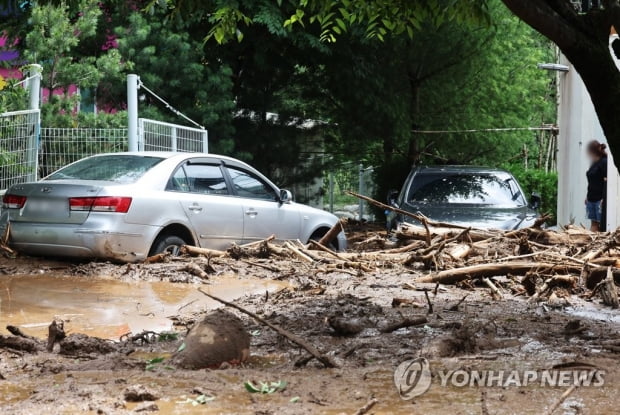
x=162 y=136
x=62 y=146
x=349 y=177
x=18 y=147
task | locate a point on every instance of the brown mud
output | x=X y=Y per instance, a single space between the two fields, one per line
x=108 y=301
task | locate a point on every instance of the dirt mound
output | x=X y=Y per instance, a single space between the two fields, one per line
x=78 y=344
x=218 y=338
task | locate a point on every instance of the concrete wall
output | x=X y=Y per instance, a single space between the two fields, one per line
x=578 y=125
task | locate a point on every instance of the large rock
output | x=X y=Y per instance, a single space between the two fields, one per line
x=218 y=338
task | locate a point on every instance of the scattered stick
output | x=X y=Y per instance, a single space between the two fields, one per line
x=408 y=322
x=325 y=249
x=298 y=253
x=366 y=408
x=563 y=397
x=456 y=306
x=493 y=287
x=428 y=300
x=326 y=360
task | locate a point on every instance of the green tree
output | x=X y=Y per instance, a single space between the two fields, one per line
x=54 y=35
x=175 y=66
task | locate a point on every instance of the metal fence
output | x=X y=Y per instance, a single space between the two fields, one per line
x=18 y=147
x=162 y=136
x=62 y=146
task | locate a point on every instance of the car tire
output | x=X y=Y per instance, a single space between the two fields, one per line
x=167 y=243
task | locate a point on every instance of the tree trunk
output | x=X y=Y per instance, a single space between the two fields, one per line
x=584 y=40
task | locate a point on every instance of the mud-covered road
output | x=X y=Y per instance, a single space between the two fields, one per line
x=476 y=335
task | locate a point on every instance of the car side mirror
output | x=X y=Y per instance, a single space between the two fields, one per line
x=285 y=196
x=535 y=201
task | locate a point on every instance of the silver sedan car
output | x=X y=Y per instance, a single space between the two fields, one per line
x=127 y=206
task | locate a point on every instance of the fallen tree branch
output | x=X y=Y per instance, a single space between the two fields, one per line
x=366 y=408
x=326 y=360
x=331 y=234
x=419 y=218
x=452 y=276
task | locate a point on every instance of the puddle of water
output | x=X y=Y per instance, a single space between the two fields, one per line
x=10 y=392
x=592 y=313
x=108 y=308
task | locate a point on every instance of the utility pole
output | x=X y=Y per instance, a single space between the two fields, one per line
x=133 y=84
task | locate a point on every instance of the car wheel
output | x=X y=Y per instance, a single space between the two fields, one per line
x=167 y=243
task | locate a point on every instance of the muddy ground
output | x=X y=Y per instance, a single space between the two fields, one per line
x=107 y=301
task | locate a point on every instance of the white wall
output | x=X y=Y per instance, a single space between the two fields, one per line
x=578 y=125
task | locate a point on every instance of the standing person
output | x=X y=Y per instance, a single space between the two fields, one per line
x=597 y=184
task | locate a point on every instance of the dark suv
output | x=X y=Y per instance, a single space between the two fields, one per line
x=480 y=197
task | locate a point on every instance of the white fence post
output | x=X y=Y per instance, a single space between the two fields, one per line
x=34 y=85
x=133 y=85
x=173 y=139
x=205 y=141
x=34 y=90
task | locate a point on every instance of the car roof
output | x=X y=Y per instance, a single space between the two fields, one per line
x=167 y=154
x=460 y=169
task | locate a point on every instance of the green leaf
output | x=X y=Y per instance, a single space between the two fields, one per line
x=249 y=386
x=181 y=347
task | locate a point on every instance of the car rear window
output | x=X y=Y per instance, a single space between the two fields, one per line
x=465 y=188
x=123 y=169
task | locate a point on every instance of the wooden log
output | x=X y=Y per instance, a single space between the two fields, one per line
x=407 y=322
x=551 y=282
x=452 y=276
x=331 y=234
x=608 y=290
x=195 y=270
x=298 y=253
x=596 y=275
x=408 y=231
x=197 y=251
x=325 y=249
x=459 y=251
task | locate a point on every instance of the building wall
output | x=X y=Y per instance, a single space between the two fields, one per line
x=578 y=125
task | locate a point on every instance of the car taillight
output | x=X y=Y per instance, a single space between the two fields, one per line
x=13 y=201
x=101 y=204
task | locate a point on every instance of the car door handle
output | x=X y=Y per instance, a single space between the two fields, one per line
x=251 y=213
x=195 y=208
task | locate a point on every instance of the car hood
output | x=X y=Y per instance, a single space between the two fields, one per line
x=477 y=216
x=323 y=215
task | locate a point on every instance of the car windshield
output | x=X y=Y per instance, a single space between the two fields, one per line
x=123 y=169
x=444 y=188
